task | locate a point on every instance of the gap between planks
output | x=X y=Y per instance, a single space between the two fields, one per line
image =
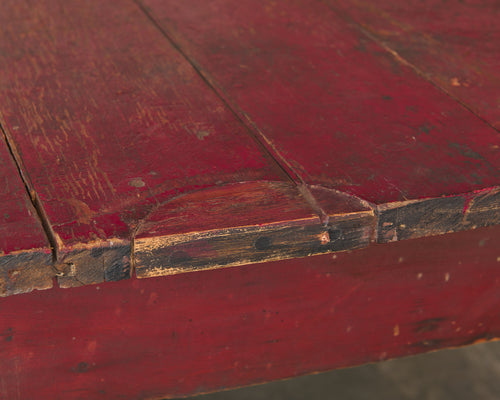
x=253 y=130
x=366 y=32
x=30 y=190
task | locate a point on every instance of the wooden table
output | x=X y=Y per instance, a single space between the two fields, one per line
x=168 y=140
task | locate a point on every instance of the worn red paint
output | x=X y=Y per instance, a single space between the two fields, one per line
x=341 y=110
x=240 y=204
x=198 y=332
x=310 y=95
x=20 y=229
x=117 y=121
x=144 y=120
x=25 y=253
x=455 y=45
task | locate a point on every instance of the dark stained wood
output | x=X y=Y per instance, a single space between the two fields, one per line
x=25 y=254
x=454 y=44
x=93 y=263
x=189 y=333
x=339 y=109
x=412 y=219
x=238 y=224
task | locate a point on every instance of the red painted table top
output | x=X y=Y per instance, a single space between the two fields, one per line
x=182 y=134
x=155 y=137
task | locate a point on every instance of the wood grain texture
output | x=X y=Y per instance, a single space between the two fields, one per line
x=200 y=135
x=243 y=224
x=110 y=121
x=341 y=110
x=190 y=333
x=412 y=219
x=456 y=44
x=180 y=136
x=25 y=254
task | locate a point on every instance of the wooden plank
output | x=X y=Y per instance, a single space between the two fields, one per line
x=122 y=141
x=244 y=224
x=25 y=254
x=412 y=219
x=111 y=123
x=230 y=327
x=343 y=112
x=453 y=44
x=145 y=151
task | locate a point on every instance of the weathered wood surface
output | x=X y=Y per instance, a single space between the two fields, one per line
x=210 y=330
x=111 y=122
x=455 y=44
x=25 y=254
x=156 y=137
x=194 y=131
x=341 y=110
x=237 y=224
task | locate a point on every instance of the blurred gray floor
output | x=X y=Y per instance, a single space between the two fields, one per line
x=470 y=373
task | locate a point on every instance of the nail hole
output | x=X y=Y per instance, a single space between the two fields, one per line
x=262 y=243
x=335 y=234
x=82 y=367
